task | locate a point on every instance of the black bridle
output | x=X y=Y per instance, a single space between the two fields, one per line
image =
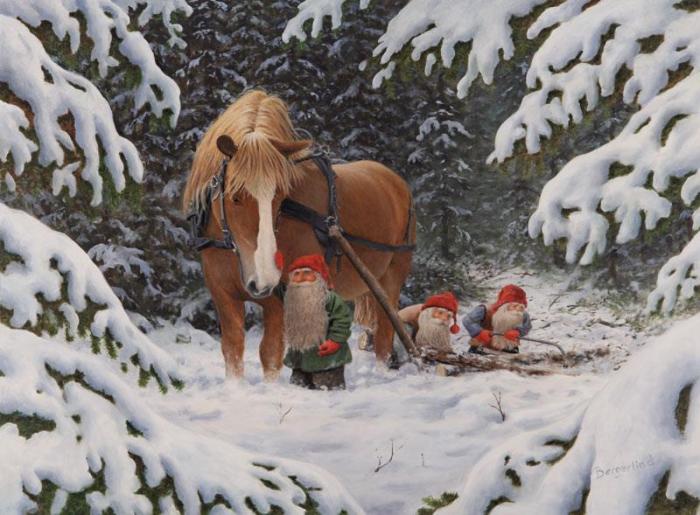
x=319 y=223
x=199 y=219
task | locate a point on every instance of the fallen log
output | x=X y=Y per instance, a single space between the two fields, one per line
x=485 y=362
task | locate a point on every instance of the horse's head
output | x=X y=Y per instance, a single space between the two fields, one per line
x=253 y=197
x=256 y=138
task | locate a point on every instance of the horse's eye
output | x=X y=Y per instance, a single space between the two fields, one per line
x=236 y=199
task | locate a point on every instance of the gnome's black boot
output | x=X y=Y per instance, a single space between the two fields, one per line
x=301 y=378
x=333 y=379
x=476 y=350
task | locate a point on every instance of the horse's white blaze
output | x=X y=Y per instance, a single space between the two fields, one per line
x=266 y=273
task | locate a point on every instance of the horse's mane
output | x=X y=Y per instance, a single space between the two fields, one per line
x=257 y=165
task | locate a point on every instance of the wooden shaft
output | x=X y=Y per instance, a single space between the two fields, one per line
x=376 y=288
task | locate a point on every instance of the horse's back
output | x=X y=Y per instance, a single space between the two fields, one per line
x=372 y=196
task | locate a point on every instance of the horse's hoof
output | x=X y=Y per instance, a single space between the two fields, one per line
x=271 y=376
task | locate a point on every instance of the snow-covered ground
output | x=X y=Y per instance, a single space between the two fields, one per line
x=439 y=426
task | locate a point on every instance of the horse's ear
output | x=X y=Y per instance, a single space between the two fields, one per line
x=288 y=148
x=226 y=145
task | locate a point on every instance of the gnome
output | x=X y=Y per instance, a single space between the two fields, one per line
x=316 y=326
x=500 y=325
x=433 y=322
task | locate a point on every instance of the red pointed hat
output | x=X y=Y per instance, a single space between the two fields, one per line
x=509 y=293
x=314 y=262
x=445 y=300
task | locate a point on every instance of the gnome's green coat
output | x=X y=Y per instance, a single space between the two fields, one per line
x=339 y=321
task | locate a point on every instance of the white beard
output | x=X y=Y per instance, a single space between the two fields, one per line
x=504 y=320
x=433 y=333
x=305 y=317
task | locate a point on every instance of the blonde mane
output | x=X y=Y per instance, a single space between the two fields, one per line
x=257 y=165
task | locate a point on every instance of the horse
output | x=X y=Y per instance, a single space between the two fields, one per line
x=253 y=149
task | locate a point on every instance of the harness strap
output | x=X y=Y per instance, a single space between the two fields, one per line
x=199 y=219
x=320 y=224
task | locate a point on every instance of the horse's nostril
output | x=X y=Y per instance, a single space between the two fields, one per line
x=252 y=286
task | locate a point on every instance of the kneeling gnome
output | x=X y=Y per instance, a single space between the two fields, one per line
x=500 y=325
x=316 y=326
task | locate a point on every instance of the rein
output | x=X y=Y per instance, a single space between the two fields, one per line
x=293 y=209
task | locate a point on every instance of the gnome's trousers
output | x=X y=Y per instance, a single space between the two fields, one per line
x=333 y=379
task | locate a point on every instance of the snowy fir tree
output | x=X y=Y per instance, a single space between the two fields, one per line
x=440 y=181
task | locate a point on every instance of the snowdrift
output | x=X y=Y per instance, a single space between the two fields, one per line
x=77 y=437
x=638 y=442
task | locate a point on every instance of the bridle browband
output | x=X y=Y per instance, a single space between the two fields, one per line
x=319 y=223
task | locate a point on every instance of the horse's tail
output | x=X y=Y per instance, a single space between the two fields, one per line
x=365 y=312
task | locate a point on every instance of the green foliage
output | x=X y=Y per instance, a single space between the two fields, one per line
x=565 y=446
x=166 y=488
x=659 y=504
x=27 y=425
x=78 y=377
x=435 y=503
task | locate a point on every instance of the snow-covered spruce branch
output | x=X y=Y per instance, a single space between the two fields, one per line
x=579 y=62
x=73 y=426
x=40 y=267
x=642 y=430
x=51 y=91
x=316 y=10
x=428 y=24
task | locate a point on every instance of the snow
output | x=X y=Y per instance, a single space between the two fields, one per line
x=315 y=10
x=44 y=264
x=628 y=437
x=440 y=426
x=52 y=92
x=91 y=436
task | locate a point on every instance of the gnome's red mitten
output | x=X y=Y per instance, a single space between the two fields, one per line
x=484 y=336
x=328 y=347
x=512 y=335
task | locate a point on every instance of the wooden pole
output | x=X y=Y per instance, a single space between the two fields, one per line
x=376 y=288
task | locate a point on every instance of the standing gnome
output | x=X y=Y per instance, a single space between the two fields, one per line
x=500 y=325
x=316 y=326
x=433 y=322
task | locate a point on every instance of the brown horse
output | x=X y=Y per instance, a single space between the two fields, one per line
x=373 y=203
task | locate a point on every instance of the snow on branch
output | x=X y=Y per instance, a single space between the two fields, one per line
x=315 y=10
x=428 y=24
x=23 y=66
x=51 y=92
x=80 y=427
x=643 y=424
x=46 y=266
x=628 y=176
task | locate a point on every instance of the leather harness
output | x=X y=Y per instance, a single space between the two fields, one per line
x=320 y=223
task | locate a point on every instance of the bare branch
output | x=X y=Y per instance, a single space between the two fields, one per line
x=381 y=465
x=498 y=406
x=283 y=415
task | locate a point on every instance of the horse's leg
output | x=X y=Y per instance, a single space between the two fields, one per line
x=272 y=344
x=232 y=320
x=391 y=281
